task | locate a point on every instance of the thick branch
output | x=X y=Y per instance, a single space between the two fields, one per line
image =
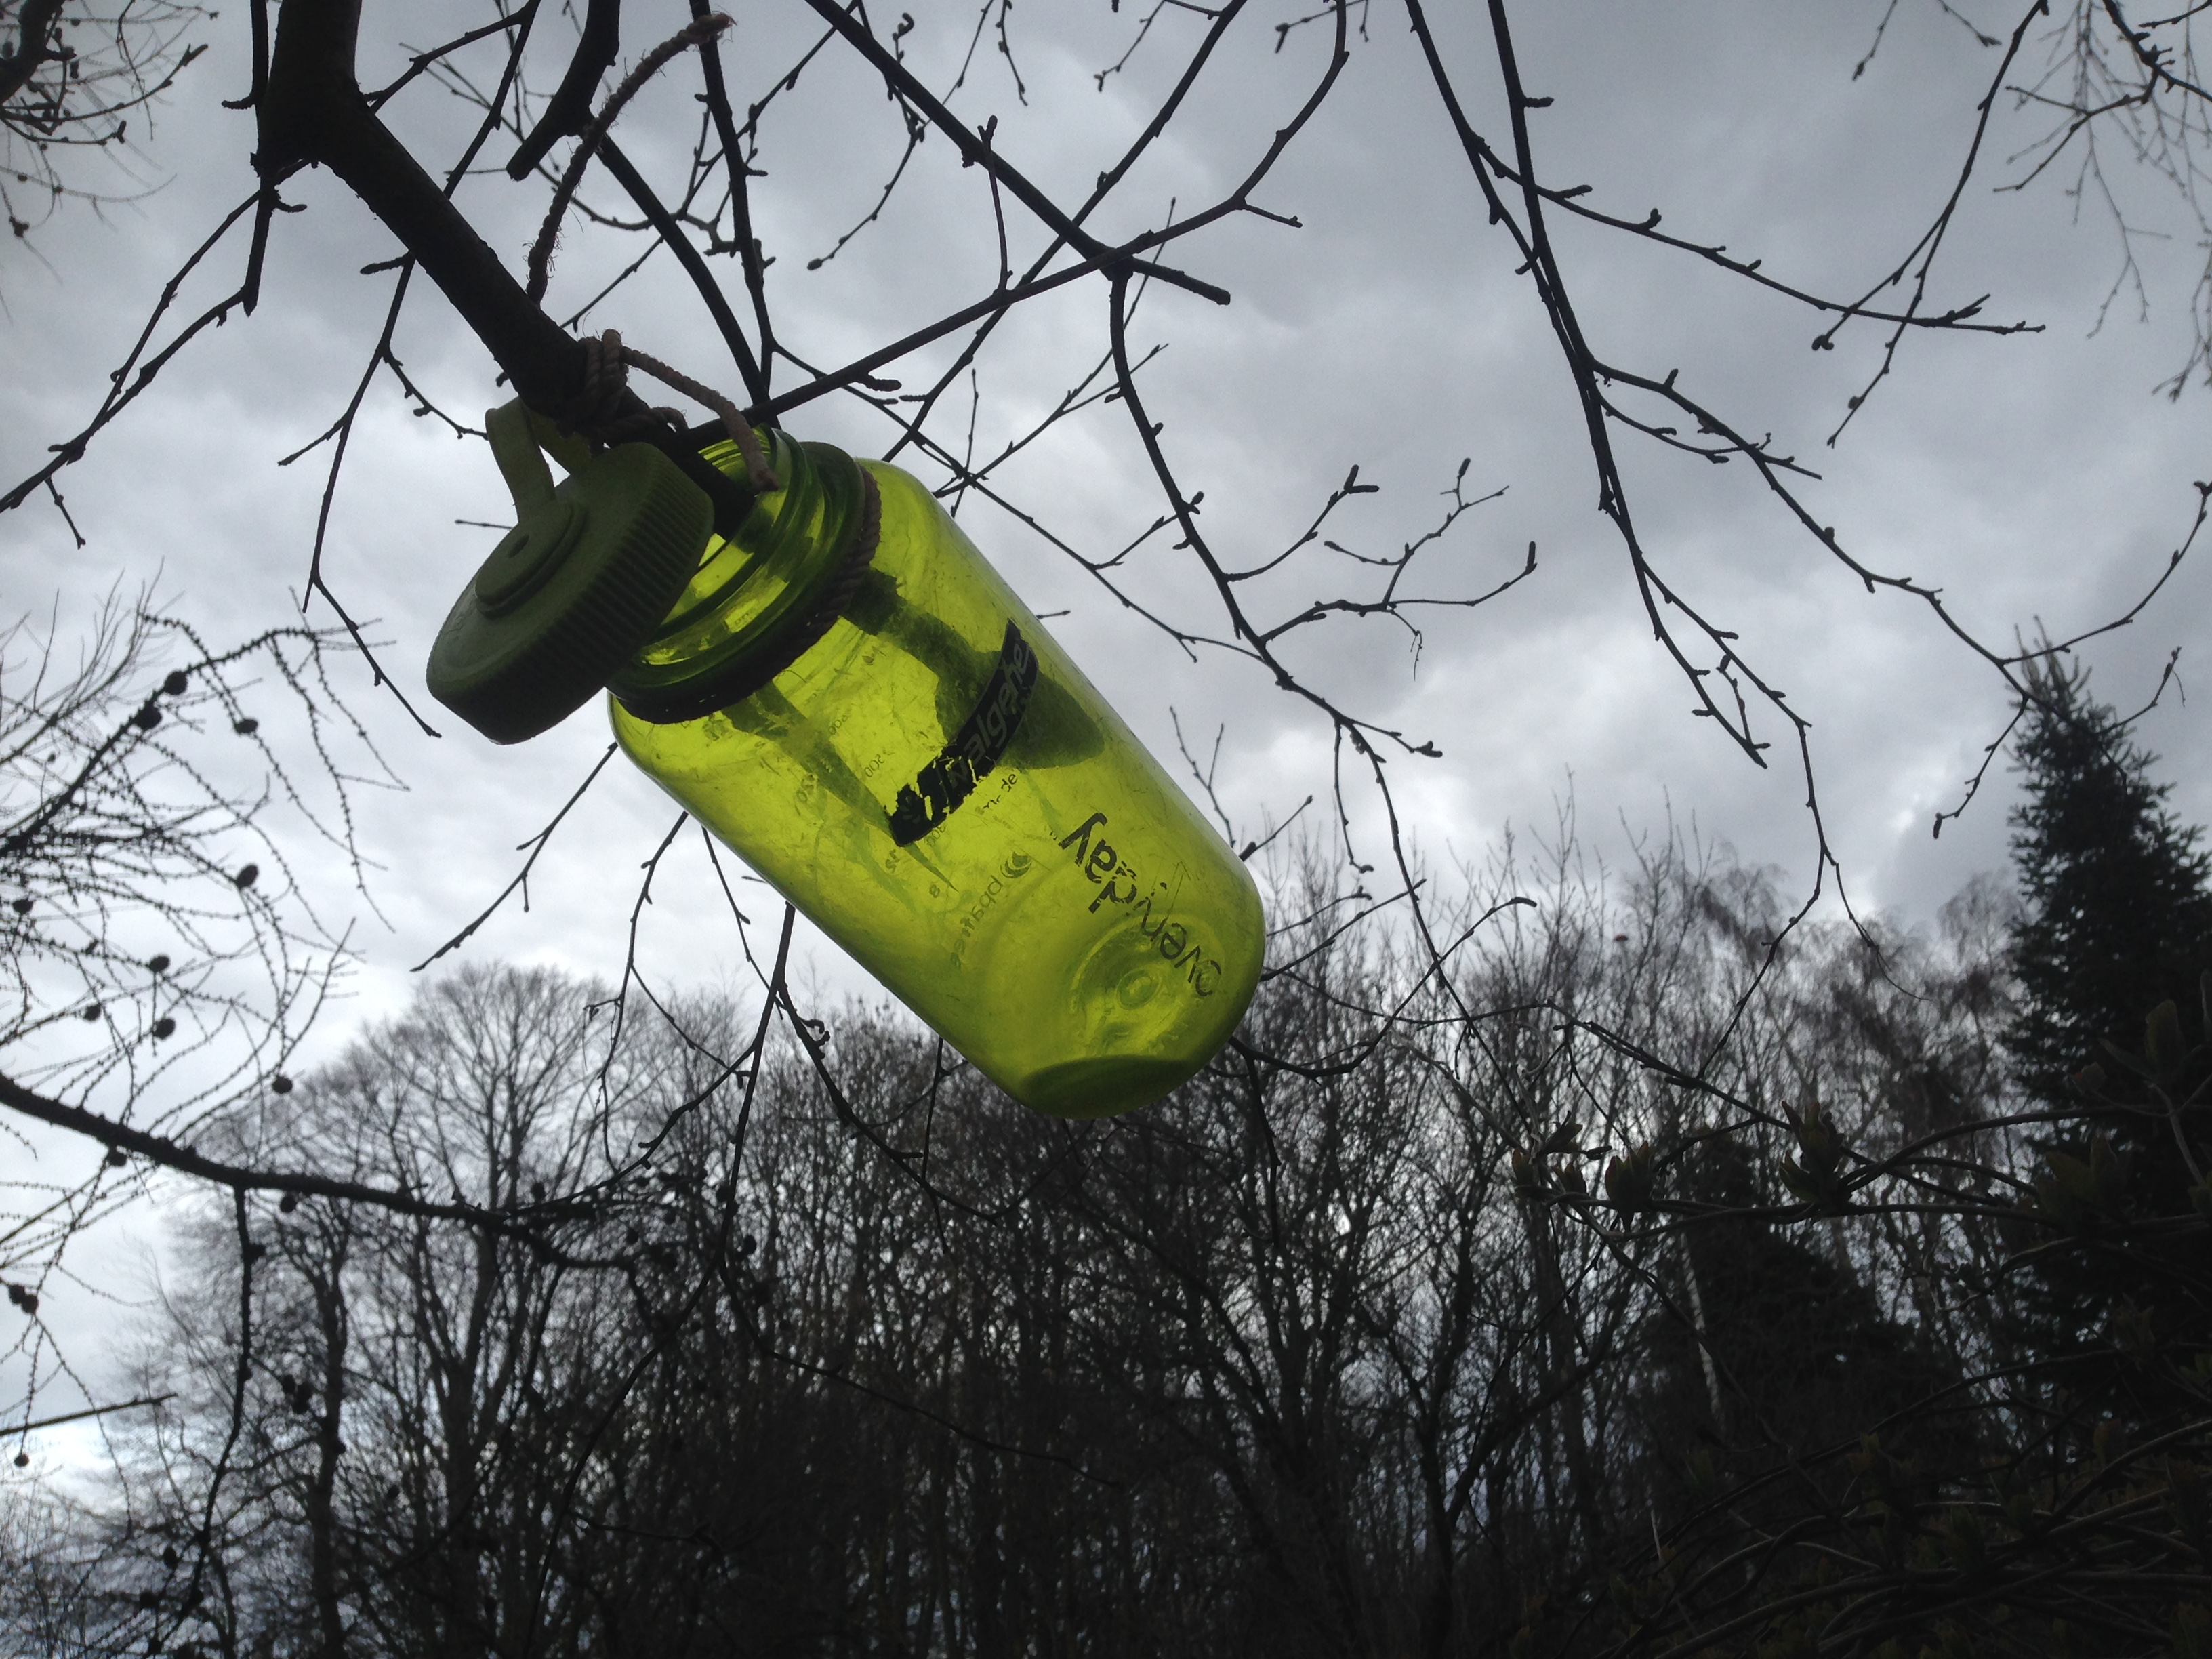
x=17 y=67
x=240 y=1178
x=314 y=112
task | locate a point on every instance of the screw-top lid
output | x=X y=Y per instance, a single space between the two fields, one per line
x=575 y=589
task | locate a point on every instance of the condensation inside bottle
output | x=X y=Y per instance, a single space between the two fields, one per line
x=937 y=785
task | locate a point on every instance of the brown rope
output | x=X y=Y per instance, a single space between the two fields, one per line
x=741 y=434
x=696 y=33
x=606 y=411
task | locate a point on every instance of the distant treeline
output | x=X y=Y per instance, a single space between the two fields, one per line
x=1632 y=1272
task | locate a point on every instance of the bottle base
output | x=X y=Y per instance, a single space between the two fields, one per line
x=1103 y=1087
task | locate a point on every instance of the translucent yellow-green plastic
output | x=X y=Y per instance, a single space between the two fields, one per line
x=941 y=790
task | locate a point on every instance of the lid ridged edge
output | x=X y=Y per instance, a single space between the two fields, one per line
x=514 y=676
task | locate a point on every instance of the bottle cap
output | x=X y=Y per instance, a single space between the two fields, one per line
x=581 y=583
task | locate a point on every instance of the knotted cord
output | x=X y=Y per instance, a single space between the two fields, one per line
x=606 y=412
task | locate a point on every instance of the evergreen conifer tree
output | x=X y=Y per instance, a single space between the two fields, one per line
x=2118 y=896
x=2117 y=922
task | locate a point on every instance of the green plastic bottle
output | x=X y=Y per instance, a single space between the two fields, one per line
x=847 y=695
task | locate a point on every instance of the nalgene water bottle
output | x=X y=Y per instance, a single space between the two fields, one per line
x=846 y=695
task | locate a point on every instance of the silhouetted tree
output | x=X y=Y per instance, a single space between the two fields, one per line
x=2117 y=893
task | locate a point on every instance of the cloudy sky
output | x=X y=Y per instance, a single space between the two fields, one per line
x=2035 y=479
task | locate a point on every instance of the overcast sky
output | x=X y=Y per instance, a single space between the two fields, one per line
x=2034 y=478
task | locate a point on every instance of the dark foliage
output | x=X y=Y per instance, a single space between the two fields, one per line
x=2110 y=958
x=2118 y=895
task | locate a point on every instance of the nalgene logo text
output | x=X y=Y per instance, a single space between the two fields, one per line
x=1151 y=912
x=975 y=749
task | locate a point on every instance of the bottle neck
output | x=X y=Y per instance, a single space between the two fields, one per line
x=761 y=599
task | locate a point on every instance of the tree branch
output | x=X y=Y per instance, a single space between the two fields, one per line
x=17 y=67
x=571 y=108
x=240 y=1178
x=975 y=149
x=314 y=112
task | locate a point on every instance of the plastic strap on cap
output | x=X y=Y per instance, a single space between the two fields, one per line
x=573 y=590
x=515 y=445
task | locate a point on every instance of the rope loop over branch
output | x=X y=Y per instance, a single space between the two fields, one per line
x=605 y=411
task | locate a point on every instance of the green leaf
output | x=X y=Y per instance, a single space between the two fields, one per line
x=1563 y=1139
x=2133 y=1336
x=1964 y=1539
